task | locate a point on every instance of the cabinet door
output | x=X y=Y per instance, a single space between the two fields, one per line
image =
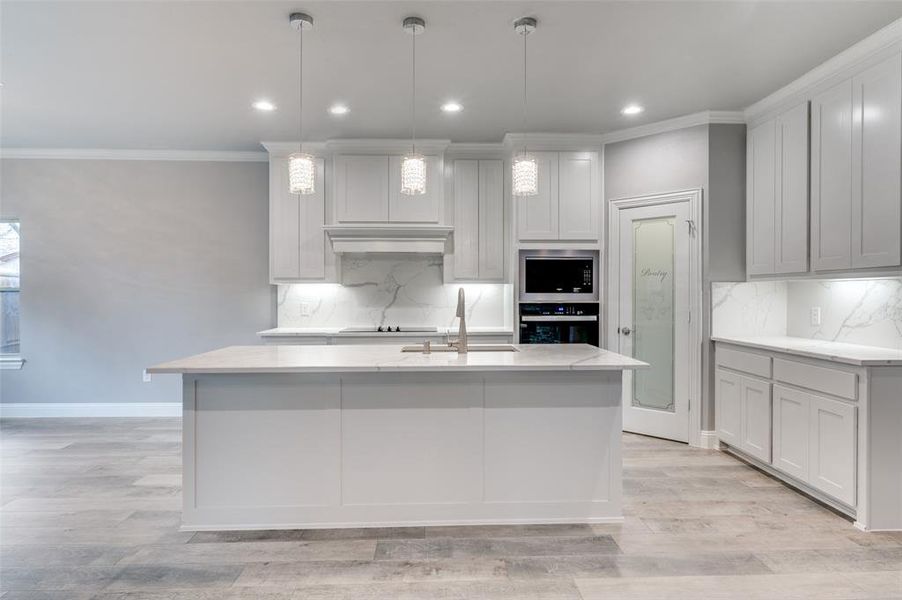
x=761 y=164
x=537 y=216
x=466 y=219
x=296 y=238
x=831 y=178
x=791 y=214
x=833 y=448
x=578 y=196
x=361 y=189
x=791 y=409
x=491 y=219
x=877 y=165
x=728 y=406
x=424 y=208
x=756 y=418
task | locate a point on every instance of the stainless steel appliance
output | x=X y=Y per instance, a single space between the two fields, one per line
x=548 y=323
x=558 y=276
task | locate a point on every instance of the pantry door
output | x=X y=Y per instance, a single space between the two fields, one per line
x=653 y=269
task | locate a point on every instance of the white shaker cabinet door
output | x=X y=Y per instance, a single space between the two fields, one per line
x=877 y=165
x=791 y=207
x=791 y=429
x=361 y=188
x=833 y=442
x=537 y=216
x=297 y=242
x=466 y=219
x=423 y=208
x=578 y=195
x=761 y=164
x=728 y=406
x=831 y=178
x=491 y=220
x=756 y=418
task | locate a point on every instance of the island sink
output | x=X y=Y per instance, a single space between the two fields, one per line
x=426 y=348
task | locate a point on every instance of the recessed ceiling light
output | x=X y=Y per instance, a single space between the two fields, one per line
x=452 y=107
x=631 y=109
x=339 y=109
x=264 y=106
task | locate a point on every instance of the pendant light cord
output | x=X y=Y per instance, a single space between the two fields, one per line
x=413 y=93
x=301 y=88
x=525 y=146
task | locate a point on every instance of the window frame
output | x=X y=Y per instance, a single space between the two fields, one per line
x=13 y=360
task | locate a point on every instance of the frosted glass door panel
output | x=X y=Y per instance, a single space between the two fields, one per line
x=653 y=312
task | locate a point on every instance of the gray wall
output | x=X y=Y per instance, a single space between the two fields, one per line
x=130 y=263
x=711 y=157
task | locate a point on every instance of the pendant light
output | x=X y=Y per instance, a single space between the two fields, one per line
x=525 y=170
x=301 y=166
x=413 y=166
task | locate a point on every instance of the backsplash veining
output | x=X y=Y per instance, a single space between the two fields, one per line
x=859 y=311
x=392 y=290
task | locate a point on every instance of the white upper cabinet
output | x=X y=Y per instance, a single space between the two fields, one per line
x=777 y=189
x=566 y=207
x=578 y=191
x=791 y=208
x=368 y=190
x=856 y=166
x=877 y=165
x=424 y=208
x=478 y=220
x=537 y=216
x=761 y=180
x=361 y=189
x=296 y=239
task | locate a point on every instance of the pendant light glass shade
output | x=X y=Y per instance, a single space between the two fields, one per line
x=413 y=165
x=413 y=175
x=301 y=166
x=301 y=173
x=525 y=175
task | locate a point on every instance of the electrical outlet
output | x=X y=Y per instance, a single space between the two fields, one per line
x=145 y=376
x=305 y=309
x=815 y=315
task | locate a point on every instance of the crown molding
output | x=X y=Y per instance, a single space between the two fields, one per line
x=705 y=117
x=883 y=40
x=385 y=146
x=123 y=154
x=475 y=150
x=552 y=141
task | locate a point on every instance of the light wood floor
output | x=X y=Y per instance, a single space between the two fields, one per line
x=90 y=509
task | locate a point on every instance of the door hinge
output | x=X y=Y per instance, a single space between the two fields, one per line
x=691 y=225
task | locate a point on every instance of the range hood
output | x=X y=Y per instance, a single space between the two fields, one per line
x=388 y=238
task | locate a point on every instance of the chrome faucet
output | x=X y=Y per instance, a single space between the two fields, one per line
x=461 y=344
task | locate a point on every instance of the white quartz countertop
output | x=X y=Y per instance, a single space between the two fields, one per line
x=384 y=357
x=277 y=332
x=852 y=354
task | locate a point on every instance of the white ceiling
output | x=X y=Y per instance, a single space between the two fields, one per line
x=182 y=75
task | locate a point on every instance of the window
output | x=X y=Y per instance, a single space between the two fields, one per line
x=9 y=287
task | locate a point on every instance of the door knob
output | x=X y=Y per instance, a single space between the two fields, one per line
x=626 y=330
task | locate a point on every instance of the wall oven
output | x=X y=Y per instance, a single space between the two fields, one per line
x=548 y=323
x=558 y=276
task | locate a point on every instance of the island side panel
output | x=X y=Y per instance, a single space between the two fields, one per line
x=350 y=450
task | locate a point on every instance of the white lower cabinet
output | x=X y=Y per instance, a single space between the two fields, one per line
x=832 y=440
x=743 y=413
x=791 y=409
x=756 y=418
x=728 y=408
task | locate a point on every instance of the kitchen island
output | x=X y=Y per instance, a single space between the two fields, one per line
x=279 y=437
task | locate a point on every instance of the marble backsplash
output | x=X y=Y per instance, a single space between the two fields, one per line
x=385 y=289
x=859 y=311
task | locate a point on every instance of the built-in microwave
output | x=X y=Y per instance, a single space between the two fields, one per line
x=558 y=276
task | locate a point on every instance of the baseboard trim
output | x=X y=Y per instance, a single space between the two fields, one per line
x=708 y=440
x=90 y=409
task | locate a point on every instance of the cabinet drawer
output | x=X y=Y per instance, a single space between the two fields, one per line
x=822 y=379
x=756 y=364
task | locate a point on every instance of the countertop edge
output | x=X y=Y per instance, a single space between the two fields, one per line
x=839 y=358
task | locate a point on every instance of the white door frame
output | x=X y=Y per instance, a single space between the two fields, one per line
x=694 y=198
